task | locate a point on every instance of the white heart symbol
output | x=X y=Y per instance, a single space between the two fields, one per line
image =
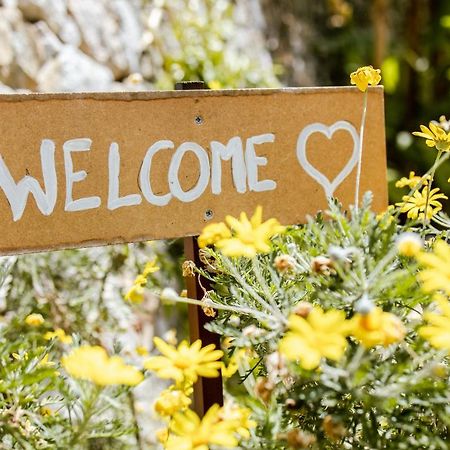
x=328 y=186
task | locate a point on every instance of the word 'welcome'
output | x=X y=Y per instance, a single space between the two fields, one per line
x=244 y=164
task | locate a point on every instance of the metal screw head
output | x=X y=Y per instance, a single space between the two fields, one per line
x=198 y=120
x=209 y=214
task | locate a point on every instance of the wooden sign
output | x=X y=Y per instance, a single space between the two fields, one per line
x=79 y=170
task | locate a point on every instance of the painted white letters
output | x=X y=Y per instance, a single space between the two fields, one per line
x=114 y=199
x=253 y=161
x=17 y=193
x=174 y=168
x=234 y=151
x=144 y=175
x=69 y=147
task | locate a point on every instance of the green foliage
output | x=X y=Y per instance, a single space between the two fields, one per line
x=392 y=397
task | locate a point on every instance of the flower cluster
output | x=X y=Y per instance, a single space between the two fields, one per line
x=136 y=293
x=242 y=237
x=222 y=426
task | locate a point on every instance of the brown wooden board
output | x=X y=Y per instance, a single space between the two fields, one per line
x=270 y=133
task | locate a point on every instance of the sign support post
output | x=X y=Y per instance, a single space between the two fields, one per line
x=207 y=391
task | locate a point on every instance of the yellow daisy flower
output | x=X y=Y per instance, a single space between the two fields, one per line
x=364 y=76
x=34 y=320
x=59 y=334
x=92 y=363
x=320 y=334
x=415 y=205
x=437 y=332
x=170 y=402
x=213 y=233
x=250 y=236
x=189 y=432
x=434 y=136
x=436 y=273
x=412 y=181
x=378 y=328
x=185 y=363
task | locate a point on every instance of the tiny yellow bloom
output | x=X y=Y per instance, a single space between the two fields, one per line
x=409 y=244
x=44 y=362
x=416 y=204
x=92 y=363
x=45 y=411
x=233 y=412
x=233 y=366
x=59 y=334
x=185 y=363
x=378 y=328
x=171 y=401
x=213 y=233
x=162 y=435
x=412 y=181
x=364 y=76
x=437 y=332
x=141 y=350
x=434 y=136
x=250 y=236
x=140 y=280
x=150 y=268
x=135 y=294
x=436 y=268
x=34 y=320
x=320 y=334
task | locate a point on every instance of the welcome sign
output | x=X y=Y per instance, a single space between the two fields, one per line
x=92 y=169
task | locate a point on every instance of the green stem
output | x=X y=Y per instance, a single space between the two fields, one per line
x=360 y=150
x=79 y=438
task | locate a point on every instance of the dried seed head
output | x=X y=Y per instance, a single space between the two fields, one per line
x=207 y=306
x=284 y=263
x=264 y=389
x=252 y=331
x=276 y=367
x=188 y=269
x=322 y=265
x=303 y=309
x=333 y=428
x=207 y=260
x=298 y=438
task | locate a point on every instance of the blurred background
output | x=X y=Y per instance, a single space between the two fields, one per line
x=113 y=45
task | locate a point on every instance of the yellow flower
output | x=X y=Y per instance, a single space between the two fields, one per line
x=233 y=365
x=150 y=268
x=171 y=401
x=378 y=328
x=135 y=294
x=189 y=432
x=436 y=273
x=213 y=233
x=185 y=363
x=44 y=362
x=437 y=332
x=59 y=334
x=435 y=137
x=45 y=411
x=415 y=205
x=233 y=412
x=251 y=236
x=92 y=363
x=141 y=350
x=412 y=181
x=409 y=244
x=320 y=334
x=364 y=76
x=34 y=320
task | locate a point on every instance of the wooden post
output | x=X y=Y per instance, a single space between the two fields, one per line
x=207 y=391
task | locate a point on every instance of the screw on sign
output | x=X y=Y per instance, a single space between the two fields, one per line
x=80 y=170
